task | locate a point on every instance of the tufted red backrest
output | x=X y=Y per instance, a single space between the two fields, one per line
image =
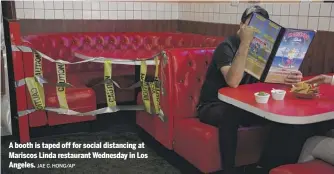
x=63 y=45
x=183 y=77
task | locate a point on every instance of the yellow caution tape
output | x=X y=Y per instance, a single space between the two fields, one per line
x=39 y=56
x=85 y=58
x=35 y=88
x=109 y=85
x=155 y=87
x=144 y=87
x=36 y=93
x=89 y=113
x=152 y=87
x=61 y=90
x=38 y=70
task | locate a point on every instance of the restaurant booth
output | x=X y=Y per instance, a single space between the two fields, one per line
x=62 y=78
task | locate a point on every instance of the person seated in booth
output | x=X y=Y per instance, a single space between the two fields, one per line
x=227 y=70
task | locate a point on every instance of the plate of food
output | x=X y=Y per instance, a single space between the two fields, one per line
x=305 y=90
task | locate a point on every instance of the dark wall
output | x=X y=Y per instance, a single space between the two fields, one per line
x=33 y=26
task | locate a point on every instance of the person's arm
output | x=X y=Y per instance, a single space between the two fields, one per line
x=233 y=74
x=321 y=79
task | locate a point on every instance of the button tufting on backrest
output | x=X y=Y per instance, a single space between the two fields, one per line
x=190 y=63
x=188 y=69
x=99 y=40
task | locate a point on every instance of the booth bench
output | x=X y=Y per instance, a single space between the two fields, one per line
x=182 y=77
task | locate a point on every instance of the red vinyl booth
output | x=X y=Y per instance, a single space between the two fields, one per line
x=64 y=45
x=83 y=97
x=182 y=77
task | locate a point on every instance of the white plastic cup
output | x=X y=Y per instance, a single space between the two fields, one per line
x=261 y=98
x=278 y=94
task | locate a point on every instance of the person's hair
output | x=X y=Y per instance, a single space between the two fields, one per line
x=254 y=9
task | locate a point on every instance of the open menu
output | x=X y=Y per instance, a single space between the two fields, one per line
x=275 y=52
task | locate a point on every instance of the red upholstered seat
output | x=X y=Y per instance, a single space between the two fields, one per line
x=312 y=167
x=182 y=77
x=193 y=136
x=80 y=99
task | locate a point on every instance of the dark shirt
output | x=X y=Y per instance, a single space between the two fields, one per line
x=214 y=80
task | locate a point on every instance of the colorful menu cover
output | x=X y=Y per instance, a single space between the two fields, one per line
x=275 y=51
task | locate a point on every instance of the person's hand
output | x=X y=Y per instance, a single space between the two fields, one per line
x=246 y=34
x=321 y=79
x=293 y=78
